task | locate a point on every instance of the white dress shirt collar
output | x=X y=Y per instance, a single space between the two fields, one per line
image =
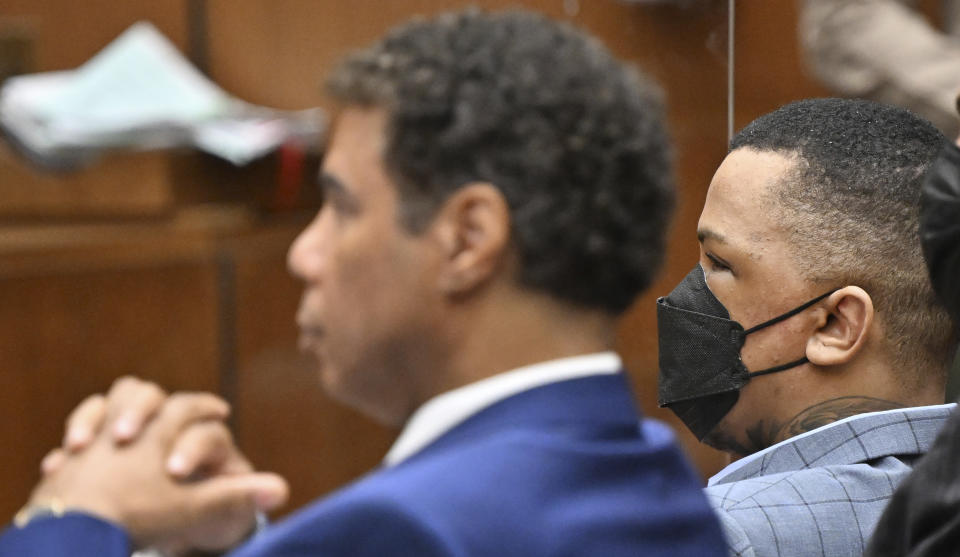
x=445 y=411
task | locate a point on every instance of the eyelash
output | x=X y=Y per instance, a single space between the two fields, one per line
x=716 y=264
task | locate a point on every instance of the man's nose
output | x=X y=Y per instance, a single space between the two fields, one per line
x=304 y=259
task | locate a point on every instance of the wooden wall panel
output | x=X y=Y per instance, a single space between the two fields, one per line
x=770 y=71
x=67 y=33
x=65 y=334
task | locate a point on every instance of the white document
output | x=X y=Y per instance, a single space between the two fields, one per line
x=139 y=92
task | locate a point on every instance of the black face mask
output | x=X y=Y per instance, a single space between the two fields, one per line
x=701 y=373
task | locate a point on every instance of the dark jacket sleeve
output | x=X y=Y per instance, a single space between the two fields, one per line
x=72 y=535
x=940 y=227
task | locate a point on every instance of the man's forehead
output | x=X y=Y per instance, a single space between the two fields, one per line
x=358 y=128
x=740 y=207
x=356 y=143
x=747 y=173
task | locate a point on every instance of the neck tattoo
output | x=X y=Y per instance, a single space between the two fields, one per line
x=832 y=410
x=765 y=433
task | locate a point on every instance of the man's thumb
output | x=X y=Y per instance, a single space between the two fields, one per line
x=270 y=491
x=224 y=508
x=261 y=491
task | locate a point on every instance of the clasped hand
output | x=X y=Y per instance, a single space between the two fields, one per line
x=164 y=467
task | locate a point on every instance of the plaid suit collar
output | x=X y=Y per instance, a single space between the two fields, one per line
x=899 y=432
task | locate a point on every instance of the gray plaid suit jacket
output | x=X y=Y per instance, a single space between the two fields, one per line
x=821 y=492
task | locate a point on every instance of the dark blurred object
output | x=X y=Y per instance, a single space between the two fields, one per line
x=940 y=227
x=16 y=48
x=940 y=234
x=198 y=32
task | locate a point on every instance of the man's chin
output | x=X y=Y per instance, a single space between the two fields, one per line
x=378 y=409
x=727 y=443
x=331 y=382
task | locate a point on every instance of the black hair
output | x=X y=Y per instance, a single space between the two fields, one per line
x=574 y=140
x=851 y=205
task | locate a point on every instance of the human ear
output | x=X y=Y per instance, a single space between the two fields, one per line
x=843 y=328
x=473 y=228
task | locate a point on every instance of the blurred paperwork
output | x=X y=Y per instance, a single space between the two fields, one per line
x=140 y=93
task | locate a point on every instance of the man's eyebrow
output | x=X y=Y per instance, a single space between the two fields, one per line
x=707 y=234
x=330 y=184
x=332 y=189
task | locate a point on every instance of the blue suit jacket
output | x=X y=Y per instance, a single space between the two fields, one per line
x=560 y=470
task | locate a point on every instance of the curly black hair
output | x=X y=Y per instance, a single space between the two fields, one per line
x=574 y=139
x=851 y=204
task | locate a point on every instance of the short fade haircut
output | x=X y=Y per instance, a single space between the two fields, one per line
x=851 y=206
x=573 y=139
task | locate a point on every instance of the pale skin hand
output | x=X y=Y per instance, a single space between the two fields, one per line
x=165 y=468
x=136 y=402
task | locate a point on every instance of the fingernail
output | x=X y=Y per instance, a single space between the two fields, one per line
x=177 y=465
x=268 y=499
x=78 y=437
x=47 y=464
x=124 y=428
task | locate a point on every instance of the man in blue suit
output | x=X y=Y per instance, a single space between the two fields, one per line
x=496 y=194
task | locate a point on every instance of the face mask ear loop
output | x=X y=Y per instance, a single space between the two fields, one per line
x=788 y=315
x=781 y=367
